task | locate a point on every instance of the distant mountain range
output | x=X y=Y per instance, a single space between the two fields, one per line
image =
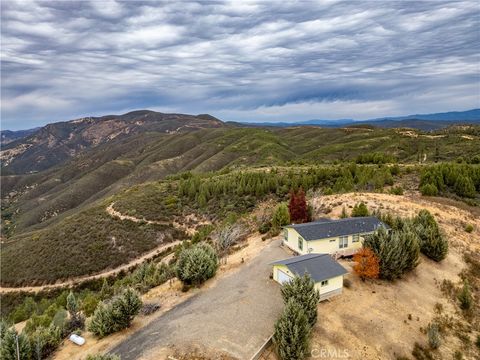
x=425 y=122
x=48 y=146
x=41 y=148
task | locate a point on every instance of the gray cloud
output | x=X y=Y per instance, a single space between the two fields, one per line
x=264 y=61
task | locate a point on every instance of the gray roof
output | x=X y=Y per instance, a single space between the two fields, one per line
x=331 y=228
x=319 y=266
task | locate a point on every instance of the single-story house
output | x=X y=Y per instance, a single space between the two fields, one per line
x=322 y=268
x=342 y=237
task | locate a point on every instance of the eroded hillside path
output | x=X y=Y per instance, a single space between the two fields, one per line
x=189 y=230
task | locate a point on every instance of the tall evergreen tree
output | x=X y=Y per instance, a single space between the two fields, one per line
x=302 y=291
x=292 y=332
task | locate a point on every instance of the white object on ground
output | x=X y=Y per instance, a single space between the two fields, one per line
x=77 y=339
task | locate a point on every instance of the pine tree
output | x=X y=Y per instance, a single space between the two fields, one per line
x=280 y=217
x=72 y=305
x=292 y=332
x=344 y=213
x=397 y=251
x=8 y=346
x=432 y=242
x=302 y=291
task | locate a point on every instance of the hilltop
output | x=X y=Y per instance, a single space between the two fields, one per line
x=51 y=145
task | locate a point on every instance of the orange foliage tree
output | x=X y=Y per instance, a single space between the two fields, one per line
x=367 y=264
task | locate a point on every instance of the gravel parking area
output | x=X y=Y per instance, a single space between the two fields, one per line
x=235 y=316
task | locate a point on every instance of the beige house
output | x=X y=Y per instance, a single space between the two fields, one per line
x=322 y=268
x=342 y=237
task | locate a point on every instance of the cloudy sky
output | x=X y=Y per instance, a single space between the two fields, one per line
x=239 y=60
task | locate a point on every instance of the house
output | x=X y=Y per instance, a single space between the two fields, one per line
x=342 y=237
x=322 y=268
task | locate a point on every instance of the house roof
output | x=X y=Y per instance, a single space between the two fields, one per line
x=319 y=266
x=326 y=228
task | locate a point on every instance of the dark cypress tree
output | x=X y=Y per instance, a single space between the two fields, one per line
x=292 y=332
x=302 y=291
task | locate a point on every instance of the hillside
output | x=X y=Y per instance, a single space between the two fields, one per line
x=32 y=201
x=55 y=143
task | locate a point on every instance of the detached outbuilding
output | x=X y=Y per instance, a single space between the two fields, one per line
x=322 y=268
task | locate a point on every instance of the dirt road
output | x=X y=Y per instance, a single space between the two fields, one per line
x=234 y=317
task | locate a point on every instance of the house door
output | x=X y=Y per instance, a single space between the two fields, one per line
x=282 y=277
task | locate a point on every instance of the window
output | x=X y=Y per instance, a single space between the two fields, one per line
x=285 y=234
x=356 y=238
x=300 y=243
x=343 y=242
x=324 y=283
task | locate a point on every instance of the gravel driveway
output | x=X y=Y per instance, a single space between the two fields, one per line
x=236 y=316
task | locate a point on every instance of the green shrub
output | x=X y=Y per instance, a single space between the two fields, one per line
x=302 y=291
x=396 y=190
x=469 y=228
x=429 y=190
x=360 y=210
x=292 y=332
x=433 y=336
x=432 y=242
x=264 y=227
x=89 y=303
x=197 y=264
x=465 y=297
x=116 y=314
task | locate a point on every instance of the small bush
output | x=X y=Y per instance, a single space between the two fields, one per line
x=197 y=264
x=360 y=210
x=458 y=355
x=465 y=297
x=469 y=228
x=429 y=190
x=396 y=190
x=103 y=357
x=433 y=336
x=115 y=315
x=89 y=304
x=148 y=309
x=347 y=283
x=421 y=353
